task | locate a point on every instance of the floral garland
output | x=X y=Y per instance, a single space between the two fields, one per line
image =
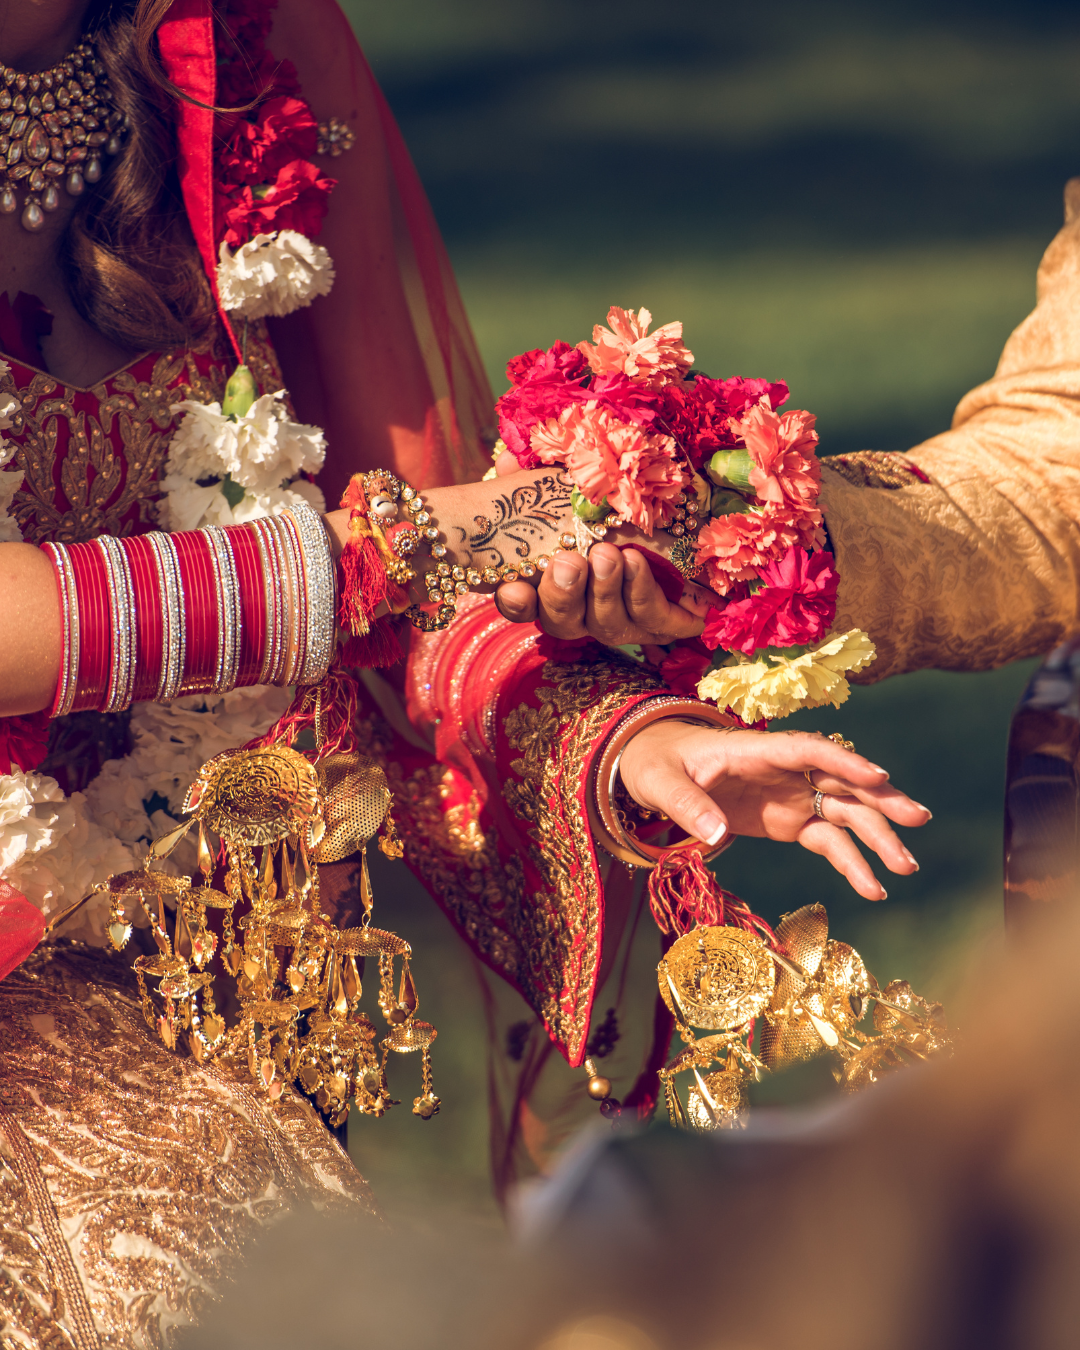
x=228 y=462
x=642 y=433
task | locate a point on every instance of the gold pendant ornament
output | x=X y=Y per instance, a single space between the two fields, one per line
x=55 y=125
x=812 y=994
x=271 y=815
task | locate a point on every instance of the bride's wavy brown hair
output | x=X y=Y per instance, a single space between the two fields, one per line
x=130 y=262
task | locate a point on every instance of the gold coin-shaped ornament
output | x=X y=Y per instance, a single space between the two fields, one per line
x=355 y=801
x=721 y=978
x=256 y=796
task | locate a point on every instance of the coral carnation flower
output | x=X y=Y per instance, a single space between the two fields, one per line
x=639 y=473
x=627 y=346
x=735 y=547
x=785 y=469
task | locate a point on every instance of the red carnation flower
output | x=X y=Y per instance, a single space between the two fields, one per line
x=796 y=605
x=699 y=413
x=544 y=384
x=296 y=200
x=283 y=130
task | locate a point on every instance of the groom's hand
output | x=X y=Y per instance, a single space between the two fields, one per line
x=613 y=597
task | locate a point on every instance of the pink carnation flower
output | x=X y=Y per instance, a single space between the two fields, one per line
x=627 y=346
x=786 y=469
x=795 y=606
x=639 y=473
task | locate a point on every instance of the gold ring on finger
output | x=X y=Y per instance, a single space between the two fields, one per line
x=837 y=739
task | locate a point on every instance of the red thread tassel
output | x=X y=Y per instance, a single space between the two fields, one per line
x=684 y=894
x=381 y=647
x=363 y=584
x=338 y=715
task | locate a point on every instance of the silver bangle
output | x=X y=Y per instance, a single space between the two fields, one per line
x=69 y=616
x=266 y=543
x=318 y=567
x=171 y=595
x=229 y=613
x=290 y=582
x=122 y=621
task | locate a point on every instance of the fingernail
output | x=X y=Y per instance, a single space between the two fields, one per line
x=929 y=813
x=564 y=576
x=884 y=893
x=878 y=769
x=911 y=859
x=711 y=828
x=632 y=562
x=602 y=565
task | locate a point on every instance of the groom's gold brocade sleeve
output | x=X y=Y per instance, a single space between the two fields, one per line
x=980 y=565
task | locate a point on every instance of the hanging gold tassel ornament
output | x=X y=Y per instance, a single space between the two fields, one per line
x=274 y=814
x=811 y=993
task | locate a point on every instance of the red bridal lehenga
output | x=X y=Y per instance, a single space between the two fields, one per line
x=133 y=1175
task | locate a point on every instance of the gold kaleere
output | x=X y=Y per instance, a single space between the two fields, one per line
x=812 y=996
x=274 y=814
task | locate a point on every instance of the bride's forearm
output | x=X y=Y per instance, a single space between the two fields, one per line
x=30 y=631
x=488 y=524
x=482 y=524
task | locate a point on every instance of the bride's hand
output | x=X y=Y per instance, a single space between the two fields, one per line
x=751 y=783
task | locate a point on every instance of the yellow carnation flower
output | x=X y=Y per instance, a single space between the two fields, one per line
x=774 y=686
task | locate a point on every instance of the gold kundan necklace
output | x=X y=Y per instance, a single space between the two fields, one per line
x=55 y=124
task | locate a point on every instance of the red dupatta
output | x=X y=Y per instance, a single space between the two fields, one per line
x=386 y=363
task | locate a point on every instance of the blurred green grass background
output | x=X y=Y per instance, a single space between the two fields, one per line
x=851 y=197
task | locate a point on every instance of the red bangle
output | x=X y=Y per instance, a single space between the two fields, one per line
x=91 y=582
x=200 y=611
x=149 y=623
x=249 y=575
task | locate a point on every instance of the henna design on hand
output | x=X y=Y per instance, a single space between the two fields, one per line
x=522 y=522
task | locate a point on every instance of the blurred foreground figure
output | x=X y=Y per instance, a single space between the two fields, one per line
x=939 y=1210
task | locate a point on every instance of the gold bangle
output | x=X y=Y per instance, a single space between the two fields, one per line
x=607 y=829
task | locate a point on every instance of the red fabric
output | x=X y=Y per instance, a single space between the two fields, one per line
x=186 y=43
x=149 y=624
x=23 y=741
x=95 y=626
x=484 y=677
x=21 y=928
x=386 y=363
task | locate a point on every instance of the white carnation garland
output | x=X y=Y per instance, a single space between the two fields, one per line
x=273 y=274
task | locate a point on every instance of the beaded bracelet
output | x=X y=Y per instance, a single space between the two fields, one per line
x=198 y=611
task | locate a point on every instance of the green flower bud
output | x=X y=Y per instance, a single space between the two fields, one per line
x=584 y=509
x=731 y=468
x=726 y=503
x=239 y=393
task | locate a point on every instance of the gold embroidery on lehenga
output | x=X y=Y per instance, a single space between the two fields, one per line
x=102 y=484
x=559 y=927
x=157 y=1170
